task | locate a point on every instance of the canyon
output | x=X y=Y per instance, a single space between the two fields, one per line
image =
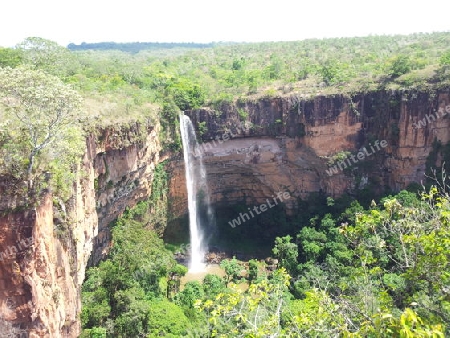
x=287 y=147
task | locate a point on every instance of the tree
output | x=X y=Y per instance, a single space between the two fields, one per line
x=330 y=72
x=253 y=313
x=10 y=57
x=252 y=269
x=212 y=285
x=286 y=252
x=444 y=60
x=166 y=319
x=41 y=105
x=46 y=55
x=401 y=64
x=123 y=292
x=408 y=246
x=187 y=95
x=312 y=243
x=232 y=268
x=192 y=291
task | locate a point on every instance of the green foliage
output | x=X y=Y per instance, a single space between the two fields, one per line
x=10 y=57
x=375 y=272
x=224 y=72
x=338 y=157
x=40 y=111
x=254 y=313
x=394 y=240
x=331 y=72
x=202 y=128
x=95 y=297
x=243 y=114
x=380 y=271
x=192 y=291
x=166 y=319
x=126 y=292
x=187 y=95
x=170 y=132
x=371 y=268
x=444 y=60
x=286 y=252
x=232 y=269
x=132 y=312
x=315 y=313
x=349 y=215
x=253 y=268
x=400 y=65
x=124 y=87
x=63 y=159
x=409 y=324
x=96 y=332
x=311 y=243
x=48 y=56
x=330 y=201
x=159 y=198
x=212 y=285
x=160 y=181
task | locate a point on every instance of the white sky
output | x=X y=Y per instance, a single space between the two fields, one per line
x=66 y=21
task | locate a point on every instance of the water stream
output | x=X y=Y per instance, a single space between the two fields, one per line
x=198 y=196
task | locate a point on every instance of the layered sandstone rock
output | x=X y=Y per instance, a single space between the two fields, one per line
x=292 y=139
x=40 y=282
x=286 y=149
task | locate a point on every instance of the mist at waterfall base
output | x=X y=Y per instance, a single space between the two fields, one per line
x=200 y=212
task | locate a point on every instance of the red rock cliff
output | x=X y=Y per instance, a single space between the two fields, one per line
x=291 y=140
x=46 y=250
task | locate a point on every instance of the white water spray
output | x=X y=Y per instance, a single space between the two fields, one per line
x=197 y=189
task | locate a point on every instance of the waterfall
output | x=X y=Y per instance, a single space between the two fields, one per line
x=198 y=196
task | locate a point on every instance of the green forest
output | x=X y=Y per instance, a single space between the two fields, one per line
x=380 y=271
x=373 y=267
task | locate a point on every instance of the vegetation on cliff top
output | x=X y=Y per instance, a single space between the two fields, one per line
x=41 y=128
x=155 y=84
x=120 y=85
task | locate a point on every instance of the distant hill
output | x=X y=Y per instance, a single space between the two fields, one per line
x=135 y=47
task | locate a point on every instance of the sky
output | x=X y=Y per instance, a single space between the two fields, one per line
x=70 y=21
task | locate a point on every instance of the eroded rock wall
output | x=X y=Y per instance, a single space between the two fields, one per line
x=123 y=175
x=46 y=249
x=287 y=148
x=292 y=139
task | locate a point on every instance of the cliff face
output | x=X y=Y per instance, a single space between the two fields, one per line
x=46 y=250
x=123 y=175
x=43 y=261
x=289 y=142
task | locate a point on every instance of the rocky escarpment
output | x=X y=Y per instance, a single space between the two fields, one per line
x=45 y=249
x=286 y=147
x=287 y=144
x=123 y=162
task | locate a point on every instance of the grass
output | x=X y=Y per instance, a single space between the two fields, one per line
x=110 y=110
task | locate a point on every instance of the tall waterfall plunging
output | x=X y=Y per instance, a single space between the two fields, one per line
x=198 y=196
